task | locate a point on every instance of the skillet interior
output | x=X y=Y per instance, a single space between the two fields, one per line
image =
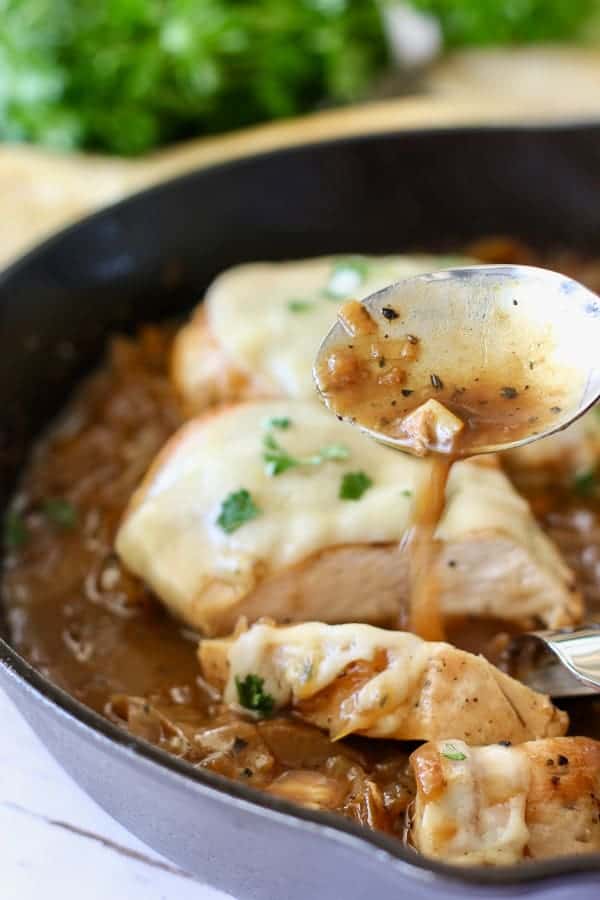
x=150 y=257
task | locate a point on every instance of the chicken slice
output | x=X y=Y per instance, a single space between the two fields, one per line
x=498 y=805
x=356 y=679
x=308 y=553
x=259 y=328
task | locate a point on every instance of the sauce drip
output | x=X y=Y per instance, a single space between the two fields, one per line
x=425 y=617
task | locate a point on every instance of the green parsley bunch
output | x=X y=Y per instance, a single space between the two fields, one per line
x=124 y=76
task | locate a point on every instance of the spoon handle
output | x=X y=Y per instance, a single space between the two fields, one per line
x=574 y=669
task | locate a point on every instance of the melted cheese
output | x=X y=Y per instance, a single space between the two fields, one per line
x=250 y=311
x=475 y=811
x=170 y=536
x=412 y=690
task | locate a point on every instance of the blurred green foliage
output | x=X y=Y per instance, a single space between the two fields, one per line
x=509 y=21
x=126 y=75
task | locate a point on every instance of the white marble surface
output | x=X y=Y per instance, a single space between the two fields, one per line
x=56 y=844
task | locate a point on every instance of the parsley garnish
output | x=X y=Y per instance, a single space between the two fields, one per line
x=353 y=485
x=406 y=493
x=283 y=423
x=299 y=306
x=585 y=483
x=450 y=752
x=333 y=452
x=236 y=509
x=251 y=695
x=278 y=459
x=346 y=277
x=16 y=532
x=61 y=512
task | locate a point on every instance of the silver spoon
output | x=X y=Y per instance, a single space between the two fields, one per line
x=501 y=318
x=489 y=318
x=566 y=662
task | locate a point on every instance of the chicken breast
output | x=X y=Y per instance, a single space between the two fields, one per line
x=258 y=330
x=498 y=805
x=356 y=679
x=239 y=517
x=313 y=554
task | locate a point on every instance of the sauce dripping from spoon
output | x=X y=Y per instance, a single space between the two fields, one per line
x=451 y=365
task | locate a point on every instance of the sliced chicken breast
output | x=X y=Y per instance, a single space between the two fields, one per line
x=356 y=679
x=257 y=332
x=499 y=805
x=299 y=548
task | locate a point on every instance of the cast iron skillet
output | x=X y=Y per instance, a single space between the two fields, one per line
x=151 y=257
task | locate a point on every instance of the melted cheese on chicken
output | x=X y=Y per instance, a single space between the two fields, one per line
x=355 y=679
x=260 y=326
x=310 y=553
x=498 y=805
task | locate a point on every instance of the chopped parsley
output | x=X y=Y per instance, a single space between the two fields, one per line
x=251 y=695
x=450 y=752
x=299 y=306
x=585 y=483
x=16 y=532
x=236 y=509
x=278 y=460
x=354 y=485
x=283 y=423
x=336 y=452
x=61 y=512
x=346 y=277
x=406 y=493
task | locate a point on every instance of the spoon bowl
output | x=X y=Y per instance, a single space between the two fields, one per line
x=512 y=350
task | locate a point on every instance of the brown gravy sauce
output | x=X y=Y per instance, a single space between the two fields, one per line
x=375 y=378
x=79 y=618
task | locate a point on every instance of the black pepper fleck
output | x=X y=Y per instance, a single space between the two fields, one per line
x=555 y=409
x=388 y=313
x=509 y=393
x=406 y=392
x=505 y=743
x=563 y=760
x=436 y=382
